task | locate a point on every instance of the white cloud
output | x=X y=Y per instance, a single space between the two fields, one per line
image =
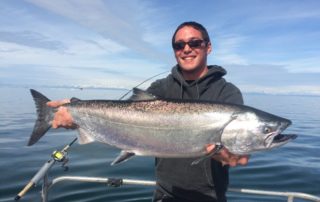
x=303 y=65
x=227 y=49
x=116 y=21
x=31 y=39
x=85 y=42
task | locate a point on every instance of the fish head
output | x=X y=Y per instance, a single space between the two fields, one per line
x=255 y=131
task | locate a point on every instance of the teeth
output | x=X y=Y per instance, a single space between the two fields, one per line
x=188 y=58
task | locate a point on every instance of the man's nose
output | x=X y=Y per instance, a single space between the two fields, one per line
x=187 y=48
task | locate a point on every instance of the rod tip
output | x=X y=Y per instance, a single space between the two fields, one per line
x=17 y=198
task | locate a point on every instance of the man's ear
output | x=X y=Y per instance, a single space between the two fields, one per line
x=209 y=48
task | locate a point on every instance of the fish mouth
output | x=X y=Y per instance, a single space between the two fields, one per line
x=280 y=138
x=276 y=139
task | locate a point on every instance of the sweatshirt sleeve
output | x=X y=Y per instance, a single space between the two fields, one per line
x=231 y=94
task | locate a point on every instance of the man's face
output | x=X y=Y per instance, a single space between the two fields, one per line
x=191 y=60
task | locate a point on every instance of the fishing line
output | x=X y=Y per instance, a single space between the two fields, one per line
x=148 y=79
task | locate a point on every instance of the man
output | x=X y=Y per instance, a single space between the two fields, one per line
x=191 y=78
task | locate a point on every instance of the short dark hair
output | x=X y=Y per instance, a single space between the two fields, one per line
x=194 y=25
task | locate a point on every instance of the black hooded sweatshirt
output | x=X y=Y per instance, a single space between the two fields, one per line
x=177 y=179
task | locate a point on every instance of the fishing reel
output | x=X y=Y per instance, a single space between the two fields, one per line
x=61 y=156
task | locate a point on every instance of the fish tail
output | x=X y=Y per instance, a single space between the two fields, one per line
x=44 y=119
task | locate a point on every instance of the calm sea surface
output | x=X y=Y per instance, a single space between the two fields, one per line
x=294 y=167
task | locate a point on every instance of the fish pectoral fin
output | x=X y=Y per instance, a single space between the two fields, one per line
x=213 y=152
x=84 y=137
x=139 y=95
x=123 y=156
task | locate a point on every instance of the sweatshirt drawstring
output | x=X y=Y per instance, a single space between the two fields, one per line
x=181 y=80
x=181 y=86
x=197 y=86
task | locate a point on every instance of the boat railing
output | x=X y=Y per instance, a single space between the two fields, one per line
x=117 y=182
x=60 y=157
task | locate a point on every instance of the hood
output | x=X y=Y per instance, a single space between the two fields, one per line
x=214 y=73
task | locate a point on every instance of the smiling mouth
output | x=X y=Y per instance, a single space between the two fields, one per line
x=188 y=58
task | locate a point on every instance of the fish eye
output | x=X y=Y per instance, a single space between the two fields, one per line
x=267 y=130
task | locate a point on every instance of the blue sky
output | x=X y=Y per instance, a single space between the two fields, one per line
x=266 y=46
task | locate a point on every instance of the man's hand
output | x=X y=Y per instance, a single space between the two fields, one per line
x=227 y=158
x=62 y=118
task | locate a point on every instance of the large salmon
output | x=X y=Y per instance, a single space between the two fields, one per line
x=149 y=126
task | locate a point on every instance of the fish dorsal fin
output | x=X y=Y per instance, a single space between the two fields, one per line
x=74 y=99
x=138 y=95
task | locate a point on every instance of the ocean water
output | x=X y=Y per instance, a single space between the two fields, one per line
x=294 y=167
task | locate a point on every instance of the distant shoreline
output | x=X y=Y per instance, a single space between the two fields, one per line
x=27 y=86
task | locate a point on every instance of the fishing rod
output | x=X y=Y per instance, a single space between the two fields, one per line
x=56 y=156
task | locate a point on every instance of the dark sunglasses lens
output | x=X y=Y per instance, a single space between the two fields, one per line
x=179 y=45
x=195 y=43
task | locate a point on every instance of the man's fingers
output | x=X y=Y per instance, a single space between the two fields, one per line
x=232 y=163
x=52 y=104
x=227 y=158
x=210 y=147
x=58 y=103
x=62 y=118
x=243 y=160
x=225 y=153
x=54 y=124
x=238 y=160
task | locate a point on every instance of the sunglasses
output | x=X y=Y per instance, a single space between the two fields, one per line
x=192 y=44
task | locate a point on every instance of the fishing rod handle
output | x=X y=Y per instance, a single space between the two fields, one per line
x=37 y=177
x=24 y=191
